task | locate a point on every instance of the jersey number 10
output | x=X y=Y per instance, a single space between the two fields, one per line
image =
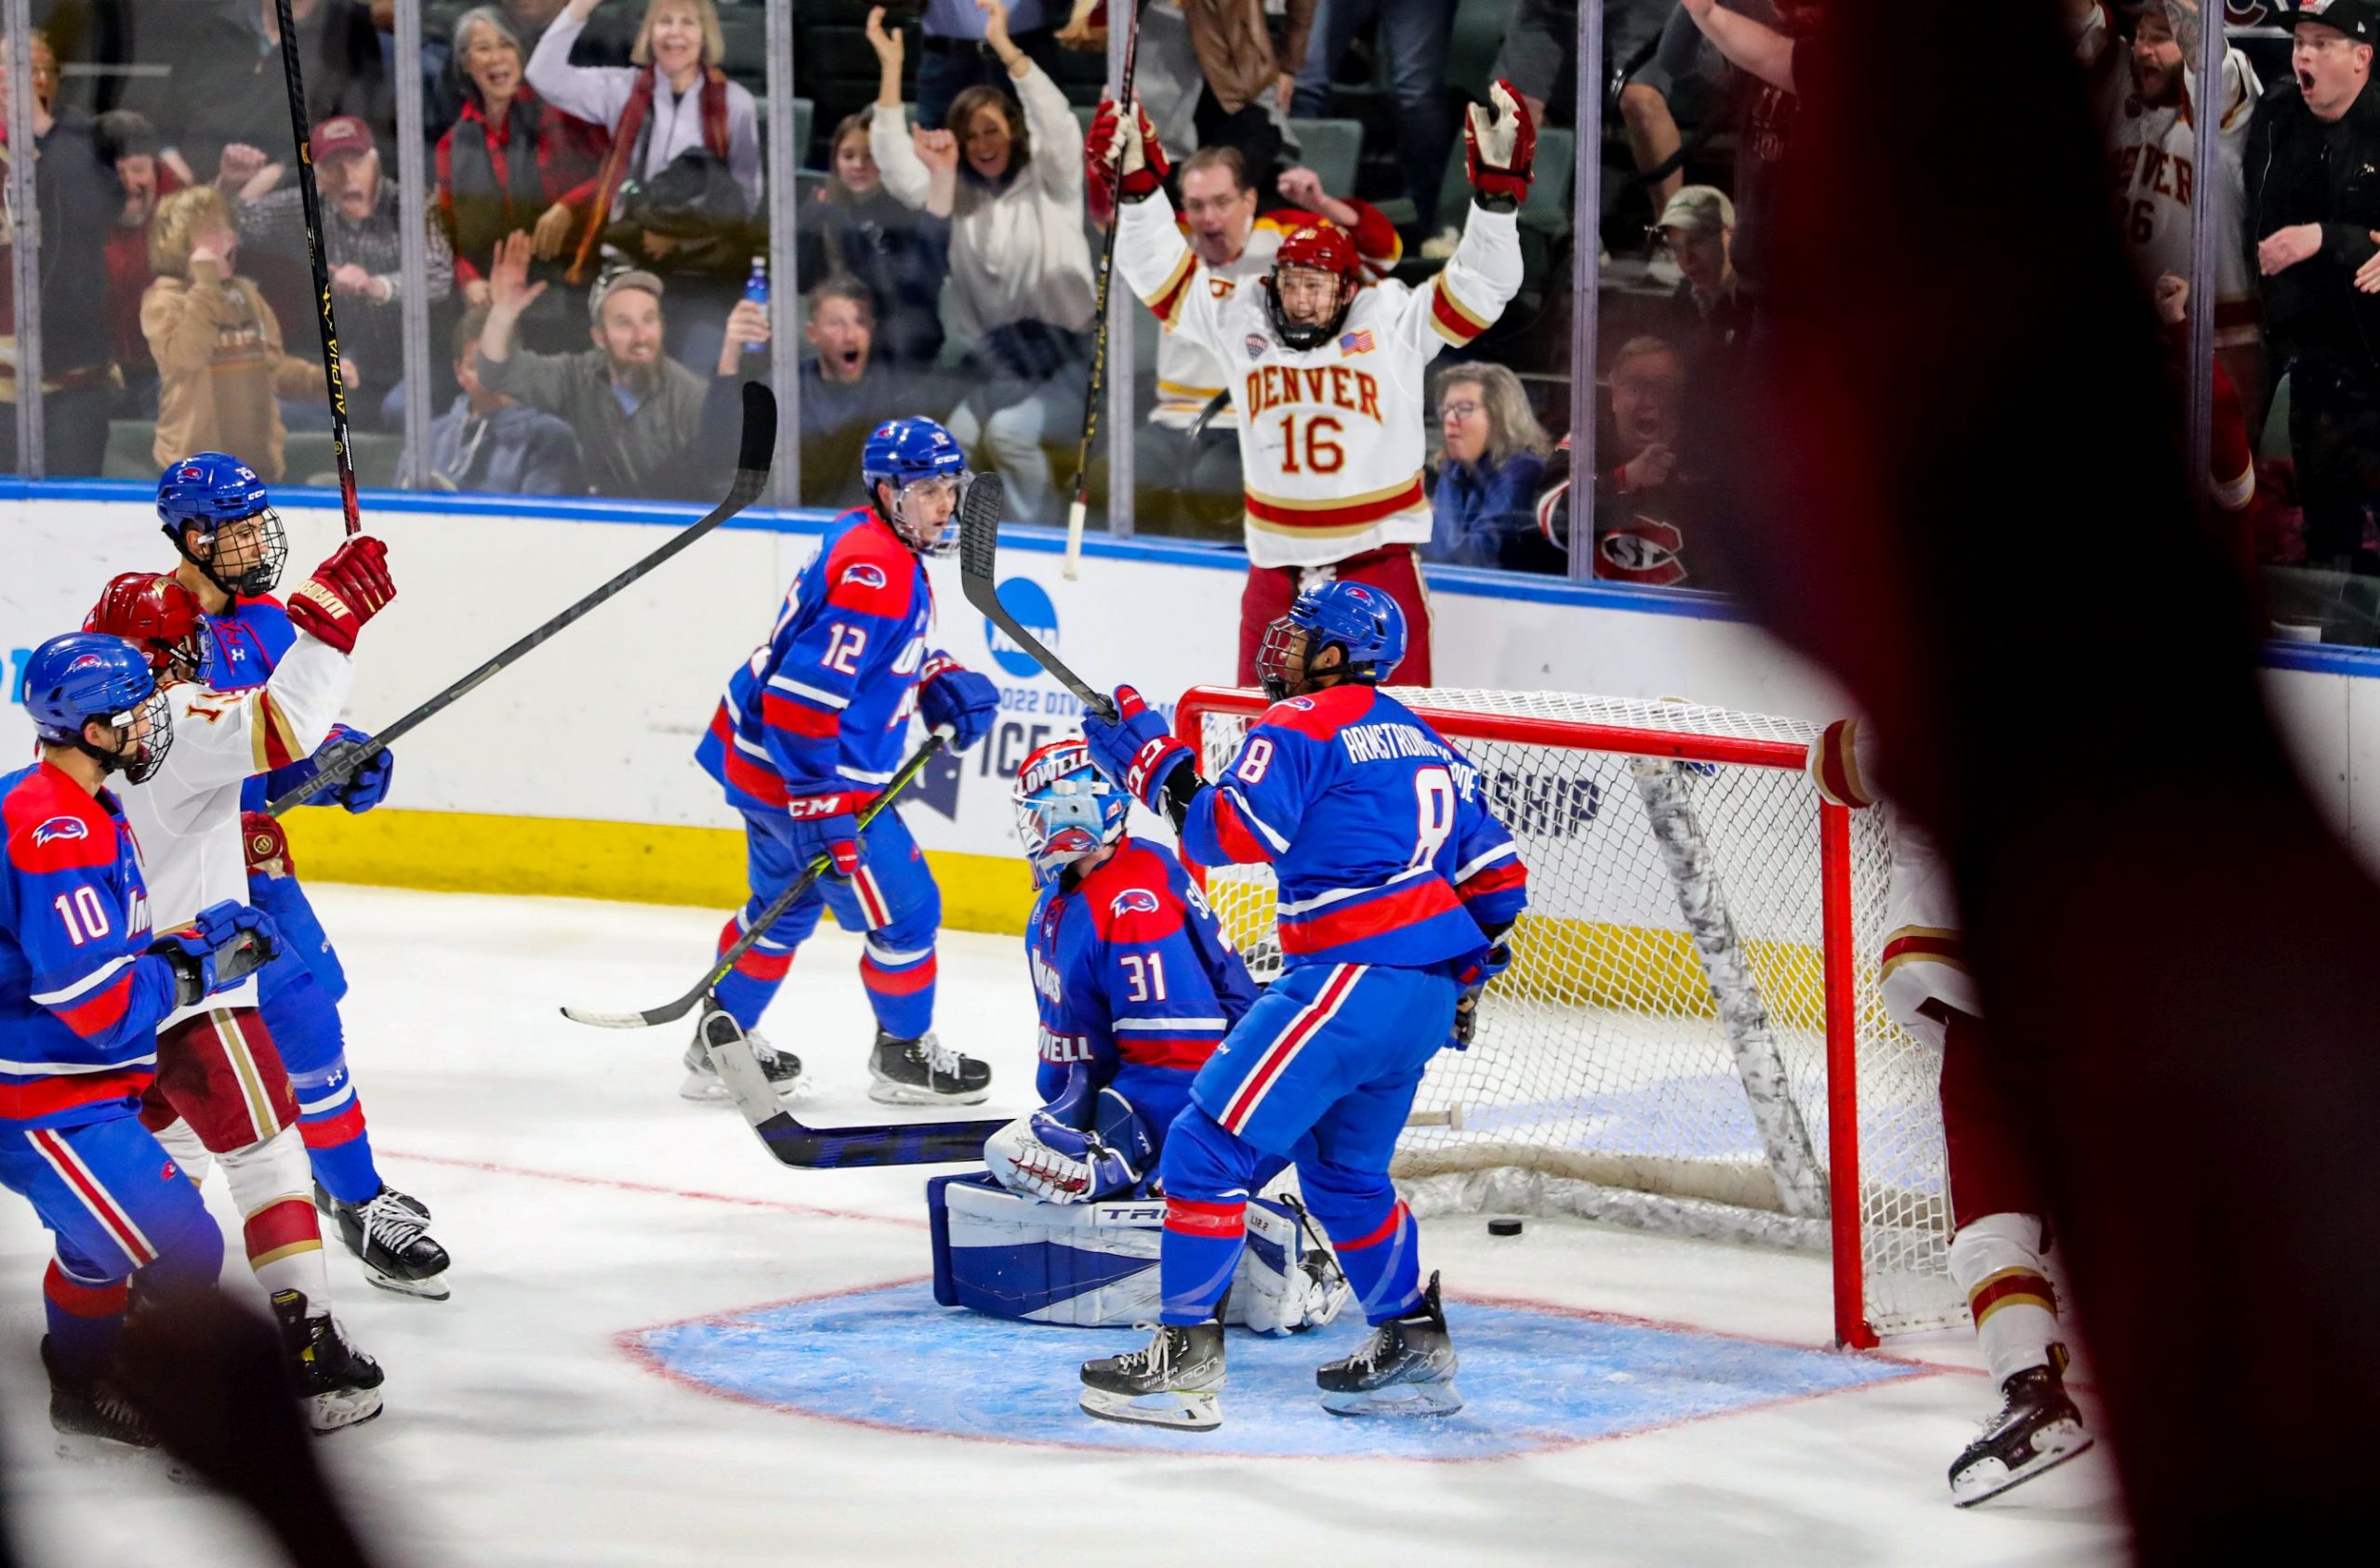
x=84 y=903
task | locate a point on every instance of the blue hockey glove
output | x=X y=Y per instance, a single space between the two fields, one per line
x=1138 y=751
x=366 y=785
x=1474 y=978
x=951 y=695
x=823 y=825
x=222 y=946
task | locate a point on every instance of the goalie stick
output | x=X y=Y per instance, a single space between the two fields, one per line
x=777 y=906
x=979 y=549
x=753 y=455
x=790 y=1144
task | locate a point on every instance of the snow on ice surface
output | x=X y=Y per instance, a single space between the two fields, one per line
x=593 y=1215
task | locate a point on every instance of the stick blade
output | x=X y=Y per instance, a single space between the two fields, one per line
x=759 y=448
x=625 y=1020
x=979 y=538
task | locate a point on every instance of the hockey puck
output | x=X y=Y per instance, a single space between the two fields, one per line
x=1503 y=1227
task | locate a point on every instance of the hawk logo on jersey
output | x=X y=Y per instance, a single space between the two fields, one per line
x=866 y=573
x=1135 y=900
x=59 y=830
x=1356 y=342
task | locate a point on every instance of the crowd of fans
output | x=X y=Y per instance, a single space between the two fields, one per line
x=597 y=225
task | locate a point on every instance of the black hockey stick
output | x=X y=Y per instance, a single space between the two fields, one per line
x=758 y=446
x=768 y=917
x=1081 y=503
x=309 y=199
x=979 y=549
x=790 y=1144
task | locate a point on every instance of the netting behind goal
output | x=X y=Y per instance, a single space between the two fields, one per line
x=1660 y=1051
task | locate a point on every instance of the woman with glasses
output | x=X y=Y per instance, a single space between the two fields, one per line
x=1494 y=453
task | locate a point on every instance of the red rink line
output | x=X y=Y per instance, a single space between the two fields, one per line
x=811 y=1211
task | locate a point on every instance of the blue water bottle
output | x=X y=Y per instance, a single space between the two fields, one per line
x=756 y=289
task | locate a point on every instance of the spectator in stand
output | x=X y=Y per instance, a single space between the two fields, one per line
x=531 y=17
x=638 y=414
x=845 y=393
x=858 y=230
x=676 y=192
x=1697 y=229
x=1772 y=58
x=220 y=367
x=956 y=45
x=1230 y=87
x=128 y=143
x=363 y=241
x=1186 y=457
x=488 y=442
x=75 y=193
x=514 y=162
x=1642 y=493
x=2314 y=229
x=1483 y=508
x=1683 y=78
x=1020 y=266
x=1414 y=33
x=231 y=87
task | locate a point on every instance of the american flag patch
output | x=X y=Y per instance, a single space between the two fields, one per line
x=1357 y=343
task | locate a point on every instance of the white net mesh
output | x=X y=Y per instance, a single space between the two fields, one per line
x=1605 y=1056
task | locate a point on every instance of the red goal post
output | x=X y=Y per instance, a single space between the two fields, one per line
x=1691 y=1038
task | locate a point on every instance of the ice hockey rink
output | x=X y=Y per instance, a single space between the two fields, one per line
x=664 y=1348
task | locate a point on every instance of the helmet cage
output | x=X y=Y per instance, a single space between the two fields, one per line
x=272 y=552
x=1302 y=335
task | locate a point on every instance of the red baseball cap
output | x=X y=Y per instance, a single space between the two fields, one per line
x=342 y=134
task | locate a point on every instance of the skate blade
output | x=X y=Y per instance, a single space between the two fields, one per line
x=1990 y=1478
x=884 y=1091
x=430 y=1288
x=702 y=1089
x=1396 y=1400
x=1190 y=1411
x=326 y=1414
x=90 y=1448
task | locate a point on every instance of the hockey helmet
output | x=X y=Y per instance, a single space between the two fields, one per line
x=82 y=676
x=1065 y=808
x=918 y=459
x=1364 y=621
x=210 y=492
x=160 y=617
x=1319 y=247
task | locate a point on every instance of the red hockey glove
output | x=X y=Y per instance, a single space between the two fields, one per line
x=267 y=845
x=1499 y=145
x=1133 y=139
x=346 y=590
x=823 y=825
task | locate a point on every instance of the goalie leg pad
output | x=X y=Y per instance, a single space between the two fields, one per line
x=1997 y=1260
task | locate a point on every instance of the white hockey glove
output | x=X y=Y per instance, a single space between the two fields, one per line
x=1499 y=146
x=1043 y=1157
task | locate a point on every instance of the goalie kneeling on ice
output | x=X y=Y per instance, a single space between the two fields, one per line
x=1095 y=1265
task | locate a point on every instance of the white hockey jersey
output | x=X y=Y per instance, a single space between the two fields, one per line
x=187 y=818
x=1330 y=439
x=1188 y=375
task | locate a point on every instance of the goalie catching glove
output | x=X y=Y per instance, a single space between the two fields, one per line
x=1123 y=148
x=1499 y=146
x=346 y=590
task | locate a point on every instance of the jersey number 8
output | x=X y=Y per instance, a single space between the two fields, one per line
x=1434 y=820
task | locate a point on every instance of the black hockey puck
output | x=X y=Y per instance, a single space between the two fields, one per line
x=1503 y=1227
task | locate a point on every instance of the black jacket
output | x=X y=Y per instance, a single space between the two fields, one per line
x=2302 y=170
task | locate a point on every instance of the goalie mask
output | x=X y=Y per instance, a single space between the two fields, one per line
x=160 y=617
x=1315 y=276
x=1065 y=809
x=927 y=473
x=241 y=547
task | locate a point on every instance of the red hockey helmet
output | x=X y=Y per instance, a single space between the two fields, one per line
x=157 y=616
x=1319 y=247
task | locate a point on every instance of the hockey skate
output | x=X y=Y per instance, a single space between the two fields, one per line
x=782 y=1069
x=389 y=1235
x=1174 y=1382
x=924 y=1072
x=92 y=1419
x=336 y=1384
x=2038 y=1429
x=1405 y=1367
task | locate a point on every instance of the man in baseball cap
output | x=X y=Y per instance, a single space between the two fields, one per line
x=1697 y=228
x=346 y=165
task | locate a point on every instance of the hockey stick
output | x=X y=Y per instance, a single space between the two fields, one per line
x=309 y=199
x=790 y=1144
x=1081 y=502
x=768 y=917
x=979 y=549
x=758 y=446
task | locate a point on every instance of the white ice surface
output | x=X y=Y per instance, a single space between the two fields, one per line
x=581 y=1198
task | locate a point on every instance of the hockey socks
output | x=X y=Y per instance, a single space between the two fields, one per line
x=272 y=1186
x=338 y=1145
x=1198 y=1255
x=86 y=1318
x=899 y=987
x=1997 y=1260
x=1382 y=1264
x=746 y=991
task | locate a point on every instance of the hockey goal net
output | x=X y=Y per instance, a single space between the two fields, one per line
x=1690 y=1037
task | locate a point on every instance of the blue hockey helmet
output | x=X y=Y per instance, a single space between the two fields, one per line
x=211 y=492
x=1364 y=621
x=917 y=455
x=82 y=676
x=1065 y=808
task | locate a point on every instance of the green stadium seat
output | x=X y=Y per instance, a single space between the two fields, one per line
x=1479 y=32
x=1331 y=149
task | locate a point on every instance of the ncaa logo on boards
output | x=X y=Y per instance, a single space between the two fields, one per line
x=1029 y=602
x=60 y=830
x=1135 y=900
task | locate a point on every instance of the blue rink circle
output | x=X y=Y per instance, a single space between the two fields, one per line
x=1533 y=1378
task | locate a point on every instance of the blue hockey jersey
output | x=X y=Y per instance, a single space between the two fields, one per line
x=80 y=995
x=249 y=640
x=824 y=703
x=1133 y=979
x=1383 y=848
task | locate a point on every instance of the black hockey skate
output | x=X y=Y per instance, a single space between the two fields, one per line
x=92 y=1419
x=2038 y=1429
x=1174 y=1382
x=1405 y=1367
x=388 y=1233
x=924 y=1072
x=782 y=1069
x=336 y=1384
